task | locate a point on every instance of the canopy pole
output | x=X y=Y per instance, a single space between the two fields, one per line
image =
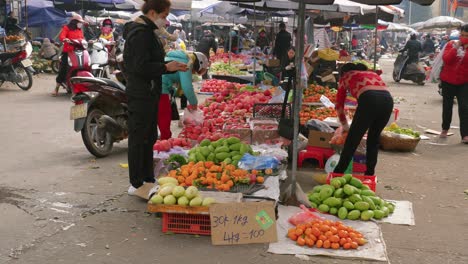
x=255 y=46
x=376 y=37
x=230 y=44
x=298 y=95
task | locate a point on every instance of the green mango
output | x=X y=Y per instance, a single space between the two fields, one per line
x=339 y=193
x=333 y=211
x=348 y=177
x=222 y=149
x=365 y=187
x=227 y=160
x=326 y=191
x=235 y=153
x=236 y=157
x=323 y=208
x=317 y=188
x=200 y=157
x=367 y=192
x=313 y=205
x=211 y=148
x=354 y=215
x=369 y=201
x=343 y=181
x=243 y=149
x=385 y=210
x=391 y=207
x=367 y=215
x=332 y=202
x=336 y=183
x=355 y=198
x=205 y=143
x=315 y=198
x=361 y=206
x=222 y=155
x=233 y=140
x=348 y=189
x=356 y=183
x=211 y=157
x=348 y=205
x=235 y=147
x=342 y=213
x=192 y=157
x=205 y=151
x=379 y=214
x=377 y=200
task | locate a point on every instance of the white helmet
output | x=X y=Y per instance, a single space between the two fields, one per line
x=201 y=63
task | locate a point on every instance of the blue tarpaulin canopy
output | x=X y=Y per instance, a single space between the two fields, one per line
x=110 y=5
x=43 y=13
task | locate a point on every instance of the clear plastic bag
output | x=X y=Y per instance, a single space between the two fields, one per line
x=318 y=125
x=249 y=162
x=303 y=217
x=192 y=118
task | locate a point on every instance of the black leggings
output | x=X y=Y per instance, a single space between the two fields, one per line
x=62 y=74
x=373 y=112
x=449 y=92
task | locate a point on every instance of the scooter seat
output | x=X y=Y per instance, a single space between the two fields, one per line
x=112 y=83
x=7 y=55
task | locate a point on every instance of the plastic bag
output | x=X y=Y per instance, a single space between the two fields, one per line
x=271 y=150
x=194 y=118
x=437 y=66
x=303 y=217
x=318 y=125
x=249 y=162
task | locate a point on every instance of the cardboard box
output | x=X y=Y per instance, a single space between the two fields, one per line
x=319 y=139
x=272 y=63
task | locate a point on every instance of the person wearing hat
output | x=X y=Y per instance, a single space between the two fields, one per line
x=71 y=31
x=428 y=46
x=262 y=39
x=107 y=30
x=182 y=34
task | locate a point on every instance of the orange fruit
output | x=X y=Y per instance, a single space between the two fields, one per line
x=347 y=246
x=343 y=241
x=316 y=232
x=334 y=230
x=300 y=241
x=292 y=237
x=334 y=239
x=343 y=233
x=322 y=237
x=328 y=234
x=335 y=245
x=299 y=231
x=314 y=238
x=319 y=243
x=326 y=244
x=354 y=245
x=308 y=231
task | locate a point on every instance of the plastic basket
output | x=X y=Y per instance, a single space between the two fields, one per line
x=196 y=224
x=370 y=181
x=398 y=144
x=271 y=111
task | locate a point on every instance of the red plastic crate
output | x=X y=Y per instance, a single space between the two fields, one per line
x=370 y=181
x=196 y=224
x=359 y=167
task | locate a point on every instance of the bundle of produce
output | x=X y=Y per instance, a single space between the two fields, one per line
x=369 y=65
x=224 y=58
x=326 y=234
x=313 y=93
x=399 y=139
x=348 y=198
x=221 y=68
x=171 y=194
x=206 y=174
x=226 y=150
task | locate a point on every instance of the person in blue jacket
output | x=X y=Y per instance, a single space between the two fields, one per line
x=198 y=64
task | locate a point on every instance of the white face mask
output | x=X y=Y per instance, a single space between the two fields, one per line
x=160 y=22
x=79 y=25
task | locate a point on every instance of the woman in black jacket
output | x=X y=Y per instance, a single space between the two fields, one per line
x=144 y=66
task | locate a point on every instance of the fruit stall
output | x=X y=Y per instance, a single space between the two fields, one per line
x=229 y=152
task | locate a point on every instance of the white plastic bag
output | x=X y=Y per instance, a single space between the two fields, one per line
x=437 y=66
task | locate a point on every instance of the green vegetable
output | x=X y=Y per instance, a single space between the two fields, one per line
x=323 y=208
x=361 y=206
x=342 y=213
x=333 y=211
x=354 y=215
x=366 y=215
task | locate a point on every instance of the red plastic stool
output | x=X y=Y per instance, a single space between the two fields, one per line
x=311 y=154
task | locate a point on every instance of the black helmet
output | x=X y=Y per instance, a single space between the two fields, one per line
x=107 y=22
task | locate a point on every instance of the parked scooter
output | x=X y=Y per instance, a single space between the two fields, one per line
x=15 y=67
x=79 y=64
x=412 y=72
x=100 y=112
x=53 y=60
x=100 y=58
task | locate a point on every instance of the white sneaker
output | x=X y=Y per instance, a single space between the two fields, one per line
x=131 y=190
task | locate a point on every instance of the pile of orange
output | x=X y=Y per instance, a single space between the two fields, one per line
x=308 y=113
x=211 y=176
x=313 y=93
x=326 y=234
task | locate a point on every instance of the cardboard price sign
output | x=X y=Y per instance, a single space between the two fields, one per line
x=243 y=223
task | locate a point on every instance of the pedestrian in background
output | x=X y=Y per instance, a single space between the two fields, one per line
x=144 y=66
x=454 y=83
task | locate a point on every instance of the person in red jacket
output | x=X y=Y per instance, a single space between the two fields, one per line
x=454 y=83
x=72 y=31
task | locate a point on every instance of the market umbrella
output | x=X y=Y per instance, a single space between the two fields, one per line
x=392 y=2
x=111 y=5
x=441 y=22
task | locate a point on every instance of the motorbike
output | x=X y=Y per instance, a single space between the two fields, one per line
x=15 y=67
x=53 y=60
x=412 y=72
x=100 y=58
x=100 y=112
x=79 y=64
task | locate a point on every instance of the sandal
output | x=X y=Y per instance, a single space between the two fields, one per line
x=465 y=140
x=443 y=134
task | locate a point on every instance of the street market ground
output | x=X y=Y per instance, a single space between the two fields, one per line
x=60 y=205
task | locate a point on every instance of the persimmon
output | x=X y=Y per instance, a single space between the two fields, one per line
x=326 y=244
x=319 y=243
x=347 y=246
x=335 y=245
x=300 y=241
x=299 y=231
x=260 y=179
x=354 y=245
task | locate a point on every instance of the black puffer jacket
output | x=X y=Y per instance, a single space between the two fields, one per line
x=207 y=42
x=143 y=59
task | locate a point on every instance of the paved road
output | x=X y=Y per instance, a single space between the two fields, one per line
x=60 y=205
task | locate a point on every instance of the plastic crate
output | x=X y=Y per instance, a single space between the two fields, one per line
x=196 y=224
x=370 y=181
x=271 y=111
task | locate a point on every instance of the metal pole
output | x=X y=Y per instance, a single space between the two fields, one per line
x=298 y=91
x=410 y=11
x=230 y=44
x=375 y=38
x=255 y=47
x=26 y=14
